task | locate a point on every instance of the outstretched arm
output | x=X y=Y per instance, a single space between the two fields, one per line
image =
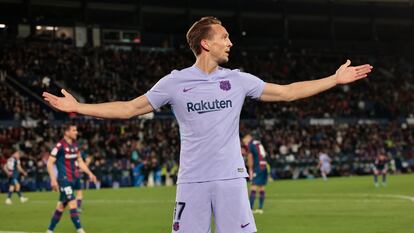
x=298 y=90
x=118 y=109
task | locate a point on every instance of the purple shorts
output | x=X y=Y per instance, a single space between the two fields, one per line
x=226 y=200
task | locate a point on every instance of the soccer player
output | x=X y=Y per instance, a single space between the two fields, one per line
x=207 y=100
x=13 y=169
x=380 y=167
x=257 y=170
x=65 y=154
x=82 y=176
x=324 y=165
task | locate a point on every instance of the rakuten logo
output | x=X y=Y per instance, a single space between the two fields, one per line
x=209 y=106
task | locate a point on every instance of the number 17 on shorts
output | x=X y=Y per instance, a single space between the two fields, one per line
x=178 y=212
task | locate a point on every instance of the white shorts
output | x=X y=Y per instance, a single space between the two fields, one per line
x=326 y=168
x=227 y=200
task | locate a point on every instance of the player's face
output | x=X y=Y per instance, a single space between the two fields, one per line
x=219 y=44
x=17 y=155
x=72 y=133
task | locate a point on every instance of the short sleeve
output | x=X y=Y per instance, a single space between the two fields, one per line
x=252 y=85
x=159 y=94
x=55 y=149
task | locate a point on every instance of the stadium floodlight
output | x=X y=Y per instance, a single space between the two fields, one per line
x=2 y=25
x=38 y=27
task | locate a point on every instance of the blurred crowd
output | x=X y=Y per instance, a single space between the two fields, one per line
x=145 y=152
x=293 y=150
x=97 y=75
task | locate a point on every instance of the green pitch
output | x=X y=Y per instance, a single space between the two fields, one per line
x=340 y=205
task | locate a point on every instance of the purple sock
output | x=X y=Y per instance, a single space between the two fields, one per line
x=261 y=199
x=75 y=218
x=252 y=198
x=55 y=219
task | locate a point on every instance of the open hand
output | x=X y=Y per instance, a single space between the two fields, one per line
x=347 y=74
x=67 y=103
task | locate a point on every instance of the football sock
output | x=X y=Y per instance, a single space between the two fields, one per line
x=261 y=199
x=55 y=219
x=252 y=198
x=75 y=218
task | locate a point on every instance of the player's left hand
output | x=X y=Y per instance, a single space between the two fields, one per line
x=347 y=74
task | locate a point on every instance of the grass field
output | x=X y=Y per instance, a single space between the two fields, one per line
x=340 y=205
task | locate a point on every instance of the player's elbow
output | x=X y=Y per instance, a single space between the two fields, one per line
x=288 y=96
x=280 y=93
x=128 y=111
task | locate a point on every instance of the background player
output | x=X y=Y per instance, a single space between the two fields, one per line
x=324 y=164
x=65 y=154
x=207 y=100
x=82 y=181
x=380 y=167
x=256 y=160
x=13 y=169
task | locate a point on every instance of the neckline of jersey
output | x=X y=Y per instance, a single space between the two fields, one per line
x=204 y=74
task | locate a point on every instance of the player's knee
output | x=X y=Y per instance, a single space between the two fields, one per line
x=72 y=204
x=60 y=206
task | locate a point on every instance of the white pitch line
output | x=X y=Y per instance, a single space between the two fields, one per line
x=107 y=201
x=354 y=195
x=18 y=232
x=362 y=197
x=410 y=198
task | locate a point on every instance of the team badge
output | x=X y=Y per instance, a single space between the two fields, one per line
x=225 y=85
x=176 y=226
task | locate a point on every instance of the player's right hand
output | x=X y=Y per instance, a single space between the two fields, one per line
x=92 y=178
x=54 y=185
x=67 y=103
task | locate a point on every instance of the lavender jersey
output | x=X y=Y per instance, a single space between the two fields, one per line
x=207 y=108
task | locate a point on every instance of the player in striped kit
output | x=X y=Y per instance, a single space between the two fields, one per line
x=65 y=155
x=380 y=167
x=13 y=169
x=257 y=170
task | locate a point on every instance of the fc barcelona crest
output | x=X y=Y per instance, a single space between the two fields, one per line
x=225 y=85
x=176 y=226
